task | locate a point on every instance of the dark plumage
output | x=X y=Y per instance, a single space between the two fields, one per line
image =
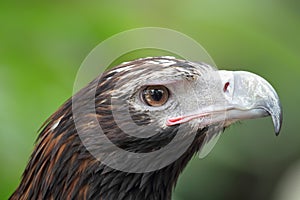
x=63 y=167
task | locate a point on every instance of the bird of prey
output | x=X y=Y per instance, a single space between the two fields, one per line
x=102 y=143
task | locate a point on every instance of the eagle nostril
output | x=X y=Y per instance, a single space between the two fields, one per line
x=226 y=86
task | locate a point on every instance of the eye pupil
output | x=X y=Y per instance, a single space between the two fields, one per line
x=156 y=95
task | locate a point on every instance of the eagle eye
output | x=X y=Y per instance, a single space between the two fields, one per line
x=156 y=95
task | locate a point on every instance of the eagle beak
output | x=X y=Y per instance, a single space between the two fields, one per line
x=250 y=96
x=244 y=96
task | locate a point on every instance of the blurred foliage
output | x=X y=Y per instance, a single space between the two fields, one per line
x=42 y=45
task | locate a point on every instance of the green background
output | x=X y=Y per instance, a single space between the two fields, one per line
x=43 y=44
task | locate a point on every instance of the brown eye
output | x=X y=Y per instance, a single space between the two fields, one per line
x=156 y=95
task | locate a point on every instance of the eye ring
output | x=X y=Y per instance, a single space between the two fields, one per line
x=155 y=95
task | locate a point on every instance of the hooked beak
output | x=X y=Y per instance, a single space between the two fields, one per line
x=246 y=96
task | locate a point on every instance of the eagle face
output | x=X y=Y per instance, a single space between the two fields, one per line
x=152 y=95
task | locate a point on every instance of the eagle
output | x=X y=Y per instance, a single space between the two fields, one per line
x=131 y=131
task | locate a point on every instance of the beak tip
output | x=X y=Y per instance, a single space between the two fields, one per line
x=278 y=128
x=277 y=132
x=278 y=122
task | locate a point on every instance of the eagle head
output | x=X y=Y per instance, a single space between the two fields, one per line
x=131 y=131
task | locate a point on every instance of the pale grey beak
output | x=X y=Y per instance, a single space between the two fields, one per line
x=238 y=95
x=250 y=96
